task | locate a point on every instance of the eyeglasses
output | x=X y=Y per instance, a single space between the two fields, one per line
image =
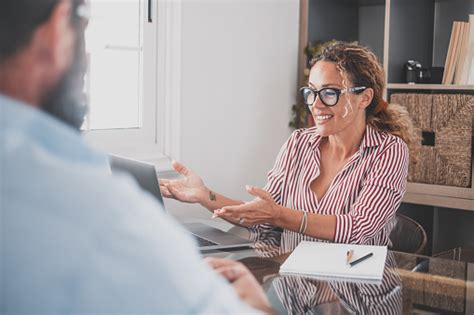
x=328 y=96
x=82 y=13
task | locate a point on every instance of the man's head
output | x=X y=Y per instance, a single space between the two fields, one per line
x=42 y=55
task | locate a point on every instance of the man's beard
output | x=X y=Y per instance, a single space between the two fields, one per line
x=67 y=101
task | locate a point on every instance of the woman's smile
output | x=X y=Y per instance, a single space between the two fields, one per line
x=322 y=119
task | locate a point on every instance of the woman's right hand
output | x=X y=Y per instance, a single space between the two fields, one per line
x=189 y=188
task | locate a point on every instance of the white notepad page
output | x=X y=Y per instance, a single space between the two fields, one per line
x=328 y=260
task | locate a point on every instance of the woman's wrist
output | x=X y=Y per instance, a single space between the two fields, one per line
x=206 y=196
x=278 y=215
x=289 y=219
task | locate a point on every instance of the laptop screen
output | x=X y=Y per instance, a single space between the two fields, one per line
x=144 y=174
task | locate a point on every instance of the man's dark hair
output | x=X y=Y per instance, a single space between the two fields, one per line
x=18 y=20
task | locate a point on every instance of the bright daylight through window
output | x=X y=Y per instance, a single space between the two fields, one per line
x=132 y=82
x=114 y=80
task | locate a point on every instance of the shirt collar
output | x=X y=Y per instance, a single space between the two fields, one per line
x=46 y=131
x=372 y=138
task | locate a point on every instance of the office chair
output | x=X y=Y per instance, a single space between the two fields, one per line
x=408 y=236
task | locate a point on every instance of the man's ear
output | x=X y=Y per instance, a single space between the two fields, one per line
x=366 y=98
x=54 y=39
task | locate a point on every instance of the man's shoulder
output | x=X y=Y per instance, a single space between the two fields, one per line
x=74 y=184
x=103 y=234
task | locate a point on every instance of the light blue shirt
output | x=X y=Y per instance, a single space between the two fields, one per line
x=75 y=239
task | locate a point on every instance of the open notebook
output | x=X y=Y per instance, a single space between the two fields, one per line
x=327 y=261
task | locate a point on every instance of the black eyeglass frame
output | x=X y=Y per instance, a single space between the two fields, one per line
x=355 y=89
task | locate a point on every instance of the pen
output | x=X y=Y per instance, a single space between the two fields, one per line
x=355 y=262
x=349 y=256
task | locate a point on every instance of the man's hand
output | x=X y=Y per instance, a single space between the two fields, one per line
x=247 y=287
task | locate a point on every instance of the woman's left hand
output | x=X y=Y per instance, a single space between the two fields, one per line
x=263 y=209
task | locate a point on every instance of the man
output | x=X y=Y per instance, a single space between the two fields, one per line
x=73 y=238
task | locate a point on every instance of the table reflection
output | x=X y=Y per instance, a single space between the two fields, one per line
x=303 y=295
x=300 y=295
x=411 y=284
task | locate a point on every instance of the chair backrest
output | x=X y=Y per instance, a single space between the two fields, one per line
x=408 y=236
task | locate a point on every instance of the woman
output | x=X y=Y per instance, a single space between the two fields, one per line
x=340 y=181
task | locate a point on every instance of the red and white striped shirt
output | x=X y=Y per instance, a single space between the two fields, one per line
x=364 y=197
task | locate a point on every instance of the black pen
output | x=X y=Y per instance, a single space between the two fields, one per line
x=355 y=262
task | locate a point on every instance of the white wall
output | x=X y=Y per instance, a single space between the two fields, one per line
x=239 y=72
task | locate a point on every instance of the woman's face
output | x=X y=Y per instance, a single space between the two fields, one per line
x=350 y=108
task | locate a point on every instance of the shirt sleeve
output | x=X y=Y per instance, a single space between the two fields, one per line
x=380 y=197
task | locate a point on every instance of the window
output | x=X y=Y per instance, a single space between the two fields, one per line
x=115 y=73
x=133 y=77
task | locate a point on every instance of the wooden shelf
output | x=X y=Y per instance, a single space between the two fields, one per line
x=439 y=201
x=444 y=87
x=440 y=196
x=439 y=190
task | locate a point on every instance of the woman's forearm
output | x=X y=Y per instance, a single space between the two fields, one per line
x=318 y=225
x=212 y=200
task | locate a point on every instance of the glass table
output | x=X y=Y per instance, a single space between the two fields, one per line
x=412 y=284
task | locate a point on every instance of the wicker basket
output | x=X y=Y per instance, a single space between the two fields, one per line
x=445 y=122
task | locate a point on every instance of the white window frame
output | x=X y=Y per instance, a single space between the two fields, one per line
x=159 y=138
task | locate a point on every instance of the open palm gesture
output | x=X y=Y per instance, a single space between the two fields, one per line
x=189 y=188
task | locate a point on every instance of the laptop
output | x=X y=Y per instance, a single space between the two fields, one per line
x=208 y=238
